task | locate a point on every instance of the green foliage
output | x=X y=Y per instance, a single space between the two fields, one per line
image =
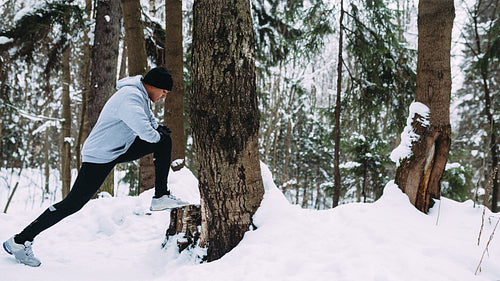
x=383 y=68
x=371 y=171
x=277 y=34
x=479 y=93
x=457 y=183
x=132 y=177
x=47 y=25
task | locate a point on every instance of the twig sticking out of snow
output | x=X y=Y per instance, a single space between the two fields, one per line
x=439 y=212
x=486 y=196
x=486 y=248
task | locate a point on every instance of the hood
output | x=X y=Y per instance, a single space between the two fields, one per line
x=130 y=81
x=134 y=81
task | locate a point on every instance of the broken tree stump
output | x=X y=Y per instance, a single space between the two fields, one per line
x=185 y=226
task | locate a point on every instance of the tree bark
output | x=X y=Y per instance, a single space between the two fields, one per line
x=85 y=81
x=104 y=63
x=419 y=175
x=174 y=108
x=488 y=110
x=185 y=221
x=288 y=141
x=336 y=160
x=225 y=122
x=66 y=125
x=137 y=65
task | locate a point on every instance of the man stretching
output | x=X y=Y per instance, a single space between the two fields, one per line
x=125 y=131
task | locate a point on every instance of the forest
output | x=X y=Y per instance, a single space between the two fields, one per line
x=323 y=128
x=320 y=66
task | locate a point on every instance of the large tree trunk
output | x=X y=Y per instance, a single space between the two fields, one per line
x=104 y=63
x=174 y=107
x=419 y=175
x=225 y=122
x=137 y=65
x=66 y=125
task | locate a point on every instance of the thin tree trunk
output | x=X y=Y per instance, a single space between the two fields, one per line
x=123 y=63
x=489 y=115
x=225 y=122
x=336 y=161
x=419 y=175
x=274 y=115
x=46 y=150
x=174 y=108
x=305 y=201
x=137 y=64
x=66 y=125
x=85 y=81
x=288 y=141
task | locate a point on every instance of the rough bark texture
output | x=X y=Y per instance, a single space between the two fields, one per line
x=104 y=63
x=174 y=107
x=419 y=176
x=136 y=45
x=66 y=126
x=137 y=65
x=85 y=82
x=104 y=57
x=184 y=221
x=225 y=122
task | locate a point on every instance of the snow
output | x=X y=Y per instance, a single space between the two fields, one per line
x=408 y=136
x=5 y=40
x=350 y=165
x=116 y=238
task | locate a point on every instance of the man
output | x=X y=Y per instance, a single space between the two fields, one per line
x=125 y=131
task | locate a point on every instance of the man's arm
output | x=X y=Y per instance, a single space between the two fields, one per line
x=133 y=114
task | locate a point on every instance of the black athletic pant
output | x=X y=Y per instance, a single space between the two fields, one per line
x=90 y=178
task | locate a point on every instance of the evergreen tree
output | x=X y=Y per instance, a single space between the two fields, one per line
x=478 y=129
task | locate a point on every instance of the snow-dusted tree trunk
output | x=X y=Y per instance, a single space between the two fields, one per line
x=174 y=108
x=225 y=122
x=419 y=173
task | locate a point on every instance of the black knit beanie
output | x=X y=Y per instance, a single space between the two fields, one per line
x=159 y=77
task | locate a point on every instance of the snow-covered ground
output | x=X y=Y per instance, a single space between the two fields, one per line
x=116 y=239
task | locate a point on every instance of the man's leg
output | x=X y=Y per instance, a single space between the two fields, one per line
x=162 y=153
x=89 y=179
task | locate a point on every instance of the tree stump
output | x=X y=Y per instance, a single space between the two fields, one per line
x=185 y=227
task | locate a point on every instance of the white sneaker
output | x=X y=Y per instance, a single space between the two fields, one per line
x=23 y=253
x=166 y=202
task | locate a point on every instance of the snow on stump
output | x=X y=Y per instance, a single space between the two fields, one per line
x=185 y=226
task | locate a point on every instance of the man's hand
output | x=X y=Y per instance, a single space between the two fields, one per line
x=164 y=132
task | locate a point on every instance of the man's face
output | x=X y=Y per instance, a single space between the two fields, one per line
x=156 y=94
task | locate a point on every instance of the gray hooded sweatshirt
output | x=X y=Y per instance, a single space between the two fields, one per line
x=125 y=116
